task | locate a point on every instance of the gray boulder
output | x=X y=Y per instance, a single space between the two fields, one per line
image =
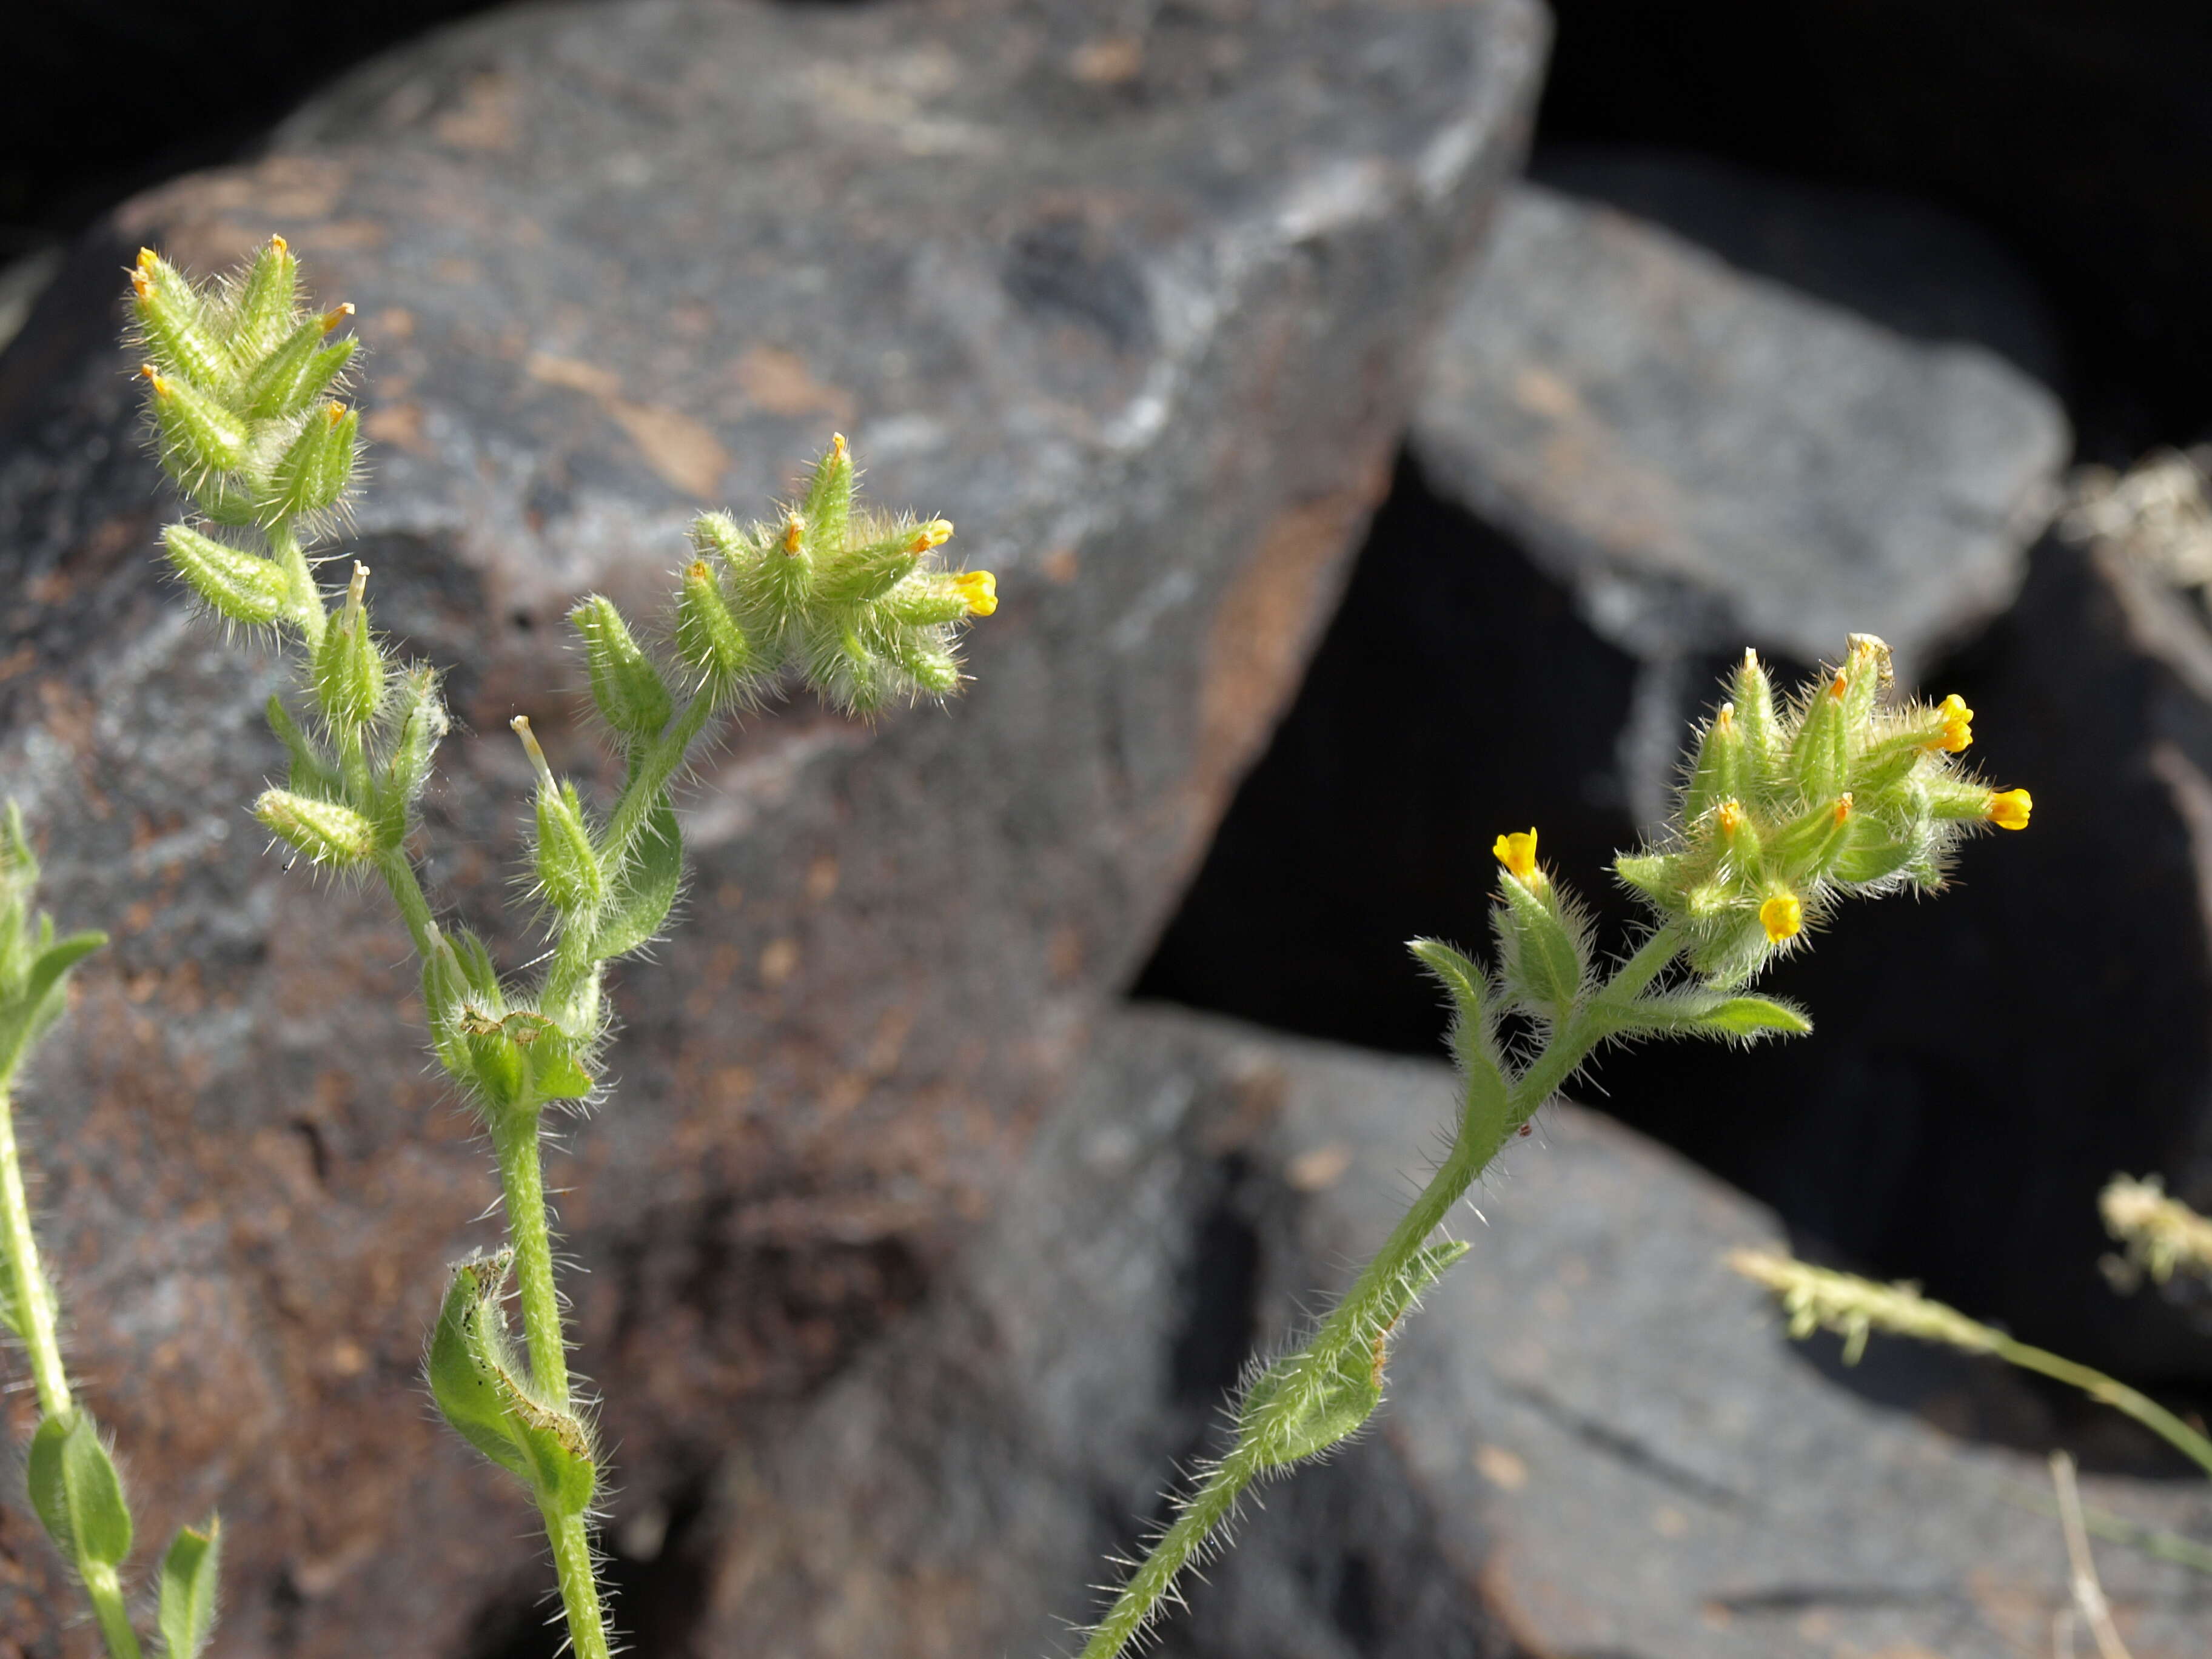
x=1598 y=1440
x=1138 y=310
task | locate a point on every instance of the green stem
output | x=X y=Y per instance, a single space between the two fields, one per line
x=308 y=611
x=580 y=1584
x=1356 y=1313
x=2111 y=1392
x=522 y=1180
x=27 y=1284
x=105 y=1591
x=651 y=769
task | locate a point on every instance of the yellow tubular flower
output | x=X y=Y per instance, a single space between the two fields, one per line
x=1782 y=917
x=1728 y=814
x=2008 y=809
x=1958 y=724
x=1518 y=852
x=978 y=591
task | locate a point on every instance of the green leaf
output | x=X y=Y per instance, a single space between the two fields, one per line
x=26 y=1016
x=477 y=1383
x=645 y=887
x=1710 y=1014
x=78 y=1493
x=189 y=1571
x=1472 y=1038
x=1284 y=1428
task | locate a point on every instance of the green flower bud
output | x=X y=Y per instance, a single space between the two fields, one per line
x=1820 y=754
x=241 y=585
x=322 y=831
x=1543 y=948
x=290 y=378
x=1754 y=697
x=625 y=684
x=829 y=506
x=268 y=301
x=313 y=472
x=348 y=672
x=708 y=637
x=175 y=324
x=198 y=434
x=1718 y=773
x=422 y=725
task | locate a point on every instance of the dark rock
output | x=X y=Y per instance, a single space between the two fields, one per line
x=1598 y=1441
x=1140 y=316
x=1711 y=460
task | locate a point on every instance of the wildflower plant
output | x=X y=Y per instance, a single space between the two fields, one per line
x=75 y=1488
x=245 y=387
x=1785 y=810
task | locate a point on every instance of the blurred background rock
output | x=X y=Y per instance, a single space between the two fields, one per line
x=918 y=1259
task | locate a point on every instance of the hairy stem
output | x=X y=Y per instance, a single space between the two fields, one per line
x=1355 y=1316
x=26 y=1283
x=105 y=1591
x=522 y=1181
x=580 y=1586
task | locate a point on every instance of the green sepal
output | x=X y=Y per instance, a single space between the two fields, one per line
x=644 y=888
x=314 y=471
x=1717 y=774
x=625 y=684
x=1540 y=952
x=1752 y=693
x=928 y=668
x=348 y=671
x=828 y=508
x=708 y=636
x=267 y=302
x=1821 y=757
x=1811 y=842
x=477 y=1382
x=76 y=1492
x=866 y=573
x=422 y=725
x=289 y=378
x=323 y=831
x=567 y=862
x=1872 y=852
x=175 y=324
x=929 y=603
x=189 y=1574
x=1656 y=875
x=1955 y=800
x=244 y=586
x=1708 y=1013
x=223 y=502
x=198 y=432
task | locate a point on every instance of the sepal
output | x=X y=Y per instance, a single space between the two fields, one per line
x=313 y=473
x=186 y=1609
x=322 y=831
x=348 y=671
x=625 y=684
x=244 y=586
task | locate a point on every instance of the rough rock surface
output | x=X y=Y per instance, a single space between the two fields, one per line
x=1598 y=1440
x=1711 y=460
x=1138 y=311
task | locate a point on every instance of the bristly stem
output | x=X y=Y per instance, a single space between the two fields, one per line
x=27 y=1282
x=580 y=1588
x=1356 y=1313
x=105 y=1591
x=514 y=1134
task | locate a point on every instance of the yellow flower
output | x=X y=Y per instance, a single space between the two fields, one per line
x=2008 y=809
x=1729 y=815
x=1958 y=724
x=979 y=590
x=1518 y=852
x=1781 y=916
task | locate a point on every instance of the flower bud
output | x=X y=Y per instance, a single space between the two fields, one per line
x=198 y=434
x=1819 y=756
x=625 y=684
x=323 y=831
x=292 y=376
x=1717 y=772
x=241 y=585
x=312 y=474
x=2008 y=808
x=708 y=637
x=829 y=506
x=1753 y=693
x=267 y=302
x=175 y=322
